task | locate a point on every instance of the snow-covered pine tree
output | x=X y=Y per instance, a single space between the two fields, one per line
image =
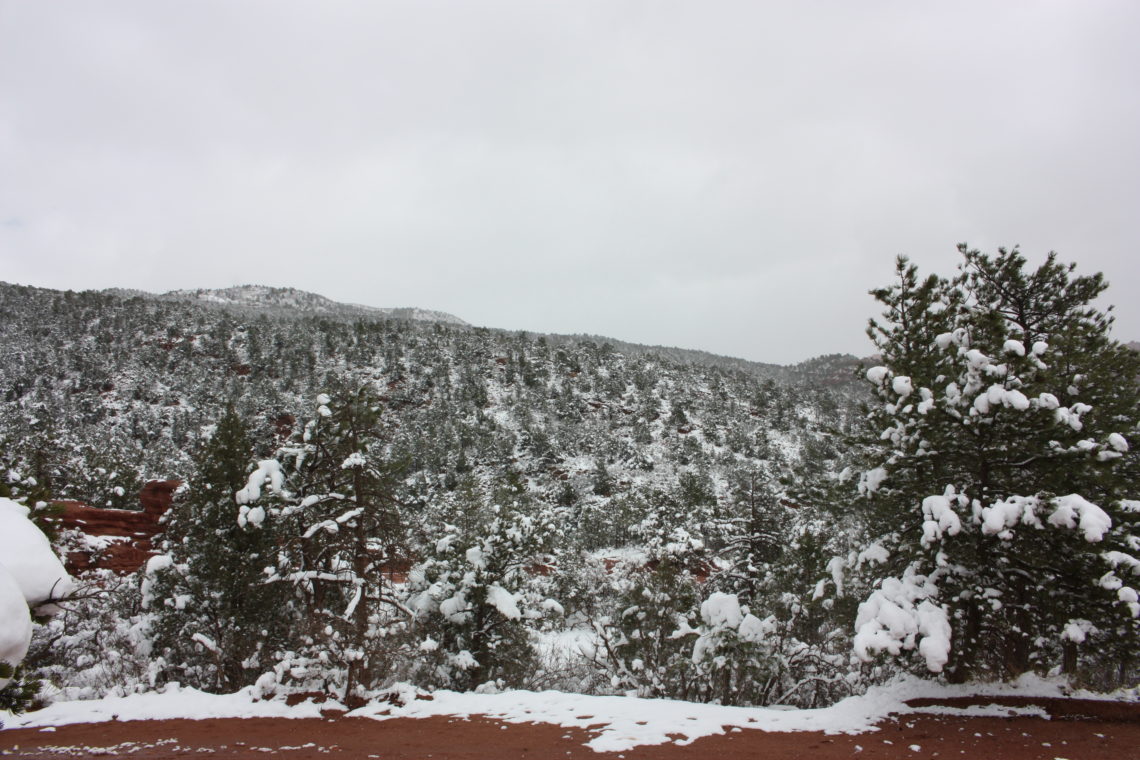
x=644 y=639
x=215 y=618
x=769 y=634
x=997 y=484
x=754 y=534
x=342 y=527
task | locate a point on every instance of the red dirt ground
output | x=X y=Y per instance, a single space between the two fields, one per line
x=1077 y=730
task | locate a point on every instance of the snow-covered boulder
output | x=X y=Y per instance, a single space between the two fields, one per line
x=28 y=557
x=30 y=574
x=15 y=623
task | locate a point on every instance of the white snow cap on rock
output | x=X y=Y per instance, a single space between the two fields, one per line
x=30 y=574
x=26 y=554
x=15 y=623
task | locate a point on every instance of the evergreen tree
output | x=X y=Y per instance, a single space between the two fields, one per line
x=217 y=622
x=996 y=479
x=753 y=534
x=642 y=643
x=344 y=528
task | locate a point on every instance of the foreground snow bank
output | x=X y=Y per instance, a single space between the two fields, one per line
x=169 y=703
x=619 y=723
x=623 y=723
x=15 y=623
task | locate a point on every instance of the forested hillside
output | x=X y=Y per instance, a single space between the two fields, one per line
x=102 y=392
x=614 y=455
x=374 y=496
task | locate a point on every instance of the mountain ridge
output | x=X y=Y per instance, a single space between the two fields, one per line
x=266 y=298
x=288 y=300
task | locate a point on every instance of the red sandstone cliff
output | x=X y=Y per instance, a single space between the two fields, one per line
x=115 y=539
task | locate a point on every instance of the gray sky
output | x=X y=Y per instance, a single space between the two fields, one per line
x=729 y=176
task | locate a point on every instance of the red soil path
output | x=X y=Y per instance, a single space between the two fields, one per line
x=1077 y=730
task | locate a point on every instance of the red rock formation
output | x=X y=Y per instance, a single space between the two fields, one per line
x=157 y=495
x=115 y=539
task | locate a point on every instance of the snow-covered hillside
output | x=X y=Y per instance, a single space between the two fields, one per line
x=291 y=301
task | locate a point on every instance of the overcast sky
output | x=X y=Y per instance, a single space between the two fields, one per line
x=728 y=176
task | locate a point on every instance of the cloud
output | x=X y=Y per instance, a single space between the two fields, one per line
x=726 y=175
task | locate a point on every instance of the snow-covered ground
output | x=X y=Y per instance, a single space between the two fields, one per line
x=619 y=723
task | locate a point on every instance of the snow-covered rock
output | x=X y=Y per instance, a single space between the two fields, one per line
x=30 y=575
x=15 y=623
x=28 y=557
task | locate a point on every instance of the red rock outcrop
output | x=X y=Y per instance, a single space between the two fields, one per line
x=115 y=539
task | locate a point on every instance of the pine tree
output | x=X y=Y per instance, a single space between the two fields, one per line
x=753 y=533
x=217 y=621
x=997 y=480
x=344 y=527
x=643 y=643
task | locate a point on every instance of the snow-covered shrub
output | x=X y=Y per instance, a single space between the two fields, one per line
x=791 y=643
x=478 y=595
x=99 y=644
x=735 y=653
x=642 y=643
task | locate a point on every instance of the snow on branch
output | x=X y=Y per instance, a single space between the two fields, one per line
x=900 y=615
x=1074 y=511
x=268 y=470
x=940 y=517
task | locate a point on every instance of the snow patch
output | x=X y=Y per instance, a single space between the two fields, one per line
x=877 y=375
x=870 y=481
x=1015 y=347
x=504 y=601
x=940 y=517
x=902 y=386
x=721 y=610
